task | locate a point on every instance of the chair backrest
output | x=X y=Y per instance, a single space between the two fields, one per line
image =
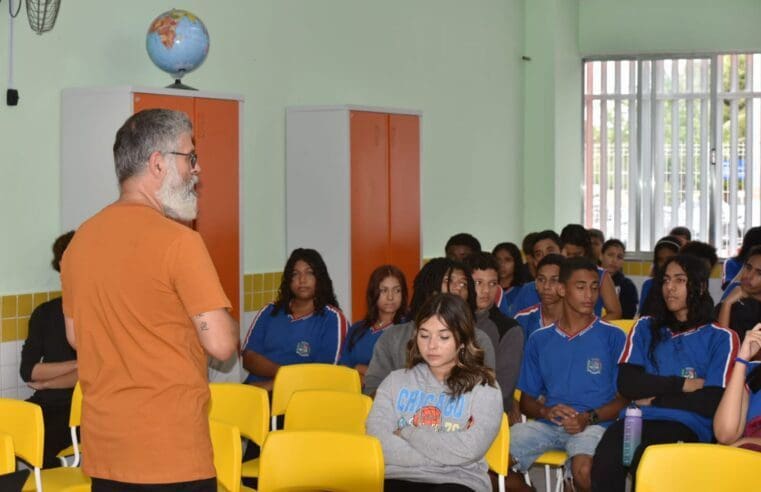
x=75 y=416
x=318 y=460
x=497 y=456
x=688 y=467
x=7 y=458
x=242 y=405
x=311 y=376
x=23 y=422
x=337 y=411
x=225 y=440
x=625 y=324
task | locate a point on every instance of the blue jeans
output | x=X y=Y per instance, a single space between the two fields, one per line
x=531 y=439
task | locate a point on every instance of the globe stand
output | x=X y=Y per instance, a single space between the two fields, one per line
x=179 y=85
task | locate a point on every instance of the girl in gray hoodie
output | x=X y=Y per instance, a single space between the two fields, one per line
x=436 y=418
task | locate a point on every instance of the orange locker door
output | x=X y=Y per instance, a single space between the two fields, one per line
x=369 y=202
x=404 y=184
x=215 y=128
x=216 y=134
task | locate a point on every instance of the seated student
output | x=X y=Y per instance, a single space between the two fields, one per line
x=573 y=364
x=512 y=274
x=597 y=238
x=665 y=248
x=733 y=266
x=704 y=251
x=741 y=307
x=303 y=325
x=527 y=247
x=738 y=419
x=682 y=233
x=613 y=252
x=575 y=242
x=675 y=365
x=461 y=245
x=550 y=309
x=387 y=305
x=49 y=366
x=505 y=333
x=545 y=243
x=437 y=417
x=438 y=275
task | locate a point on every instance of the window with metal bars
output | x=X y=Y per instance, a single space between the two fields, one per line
x=673 y=142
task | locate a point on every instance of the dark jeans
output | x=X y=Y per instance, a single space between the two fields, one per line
x=394 y=485
x=205 y=485
x=608 y=471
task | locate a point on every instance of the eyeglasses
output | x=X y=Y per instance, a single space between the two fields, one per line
x=192 y=157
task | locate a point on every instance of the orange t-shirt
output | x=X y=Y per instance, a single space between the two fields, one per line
x=132 y=279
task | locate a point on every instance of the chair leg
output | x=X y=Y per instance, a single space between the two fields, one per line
x=527 y=477
x=37 y=479
x=501 y=481
x=560 y=484
x=75 y=443
x=273 y=425
x=63 y=461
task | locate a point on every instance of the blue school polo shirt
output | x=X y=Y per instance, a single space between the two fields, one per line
x=286 y=340
x=530 y=320
x=706 y=352
x=506 y=298
x=362 y=351
x=529 y=296
x=578 y=371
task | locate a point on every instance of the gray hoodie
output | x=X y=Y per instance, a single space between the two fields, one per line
x=441 y=439
x=390 y=353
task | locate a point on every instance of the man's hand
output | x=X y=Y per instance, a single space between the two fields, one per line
x=693 y=384
x=751 y=343
x=558 y=413
x=574 y=425
x=36 y=385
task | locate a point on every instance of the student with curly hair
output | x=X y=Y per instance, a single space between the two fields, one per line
x=675 y=365
x=437 y=417
x=386 y=305
x=305 y=324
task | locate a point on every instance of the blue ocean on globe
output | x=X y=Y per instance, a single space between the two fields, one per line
x=177 y=42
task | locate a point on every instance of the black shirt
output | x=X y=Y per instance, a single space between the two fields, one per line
x=47 y=342
x=743 y=316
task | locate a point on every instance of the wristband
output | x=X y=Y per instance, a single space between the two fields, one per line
x=742 y=361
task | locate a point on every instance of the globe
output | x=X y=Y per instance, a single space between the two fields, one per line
x=177 y=42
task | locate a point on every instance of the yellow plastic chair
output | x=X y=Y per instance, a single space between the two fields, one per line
x=23 y=422
x=688 y=467
x=78 y=488
x=625 y=324
x=498 y=454
x=75 y=420
x=318 y=460
x=7 y=458
x=290 y=379
x=225 y=440
x=336 y=411
x=245 y=407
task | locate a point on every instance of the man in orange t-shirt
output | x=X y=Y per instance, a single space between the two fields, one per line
x=142 y=303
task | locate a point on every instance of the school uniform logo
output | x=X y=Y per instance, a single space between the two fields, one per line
x=689 y=373
x=303 y=348
x=594 y=366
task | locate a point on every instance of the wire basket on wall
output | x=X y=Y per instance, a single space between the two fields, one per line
x=42 y=14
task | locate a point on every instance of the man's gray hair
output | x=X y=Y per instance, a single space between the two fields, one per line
x=142 y=134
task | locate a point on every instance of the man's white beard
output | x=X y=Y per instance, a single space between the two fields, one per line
x=178 y=197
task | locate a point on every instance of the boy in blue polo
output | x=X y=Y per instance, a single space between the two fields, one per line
x=550 y=307
x=573 y=363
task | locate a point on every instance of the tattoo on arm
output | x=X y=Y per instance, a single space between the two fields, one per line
x=204 y=326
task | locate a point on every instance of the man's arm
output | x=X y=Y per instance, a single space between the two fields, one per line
x=609 y=411
x=70 y=337
x=43 y=371
x=259 y=365
x=218 y=333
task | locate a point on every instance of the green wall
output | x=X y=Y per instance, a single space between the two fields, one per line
x=673 y=26
x=458 y=62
